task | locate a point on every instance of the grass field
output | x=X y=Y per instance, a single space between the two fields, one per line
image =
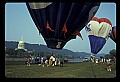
x=70 y=70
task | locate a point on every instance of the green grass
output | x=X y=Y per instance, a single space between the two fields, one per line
x=70 y=70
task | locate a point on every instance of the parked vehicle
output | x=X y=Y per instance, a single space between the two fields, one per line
x=86 y=59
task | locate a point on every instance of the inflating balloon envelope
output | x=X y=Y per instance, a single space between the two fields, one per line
x=98 y=32
x=60 y=22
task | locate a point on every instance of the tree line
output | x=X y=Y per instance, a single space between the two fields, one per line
x=11 y=52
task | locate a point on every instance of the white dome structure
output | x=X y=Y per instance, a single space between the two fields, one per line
x=21 y=45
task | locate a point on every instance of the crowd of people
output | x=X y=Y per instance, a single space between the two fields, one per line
x=53 y=61
x=107 y=61
x=49 y=61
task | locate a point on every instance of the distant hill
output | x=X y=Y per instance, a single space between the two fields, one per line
x=44 y=48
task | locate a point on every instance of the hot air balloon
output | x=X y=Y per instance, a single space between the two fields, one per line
x=98 y=32
x=60 y=22
x=113 y=34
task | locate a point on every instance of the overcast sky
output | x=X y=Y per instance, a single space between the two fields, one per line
x=18 y=23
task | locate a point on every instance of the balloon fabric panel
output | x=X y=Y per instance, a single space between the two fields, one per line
x=113 y=34
x=96 y=43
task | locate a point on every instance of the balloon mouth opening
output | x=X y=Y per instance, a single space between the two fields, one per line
x=55 y=43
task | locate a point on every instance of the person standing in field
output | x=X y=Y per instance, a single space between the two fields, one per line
x=53 y=61
x=28 y=62
x=61 y=61
x=108 y=63
x=56 y=61
x=39 y=60
x=42 y=61
x=96 y=61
